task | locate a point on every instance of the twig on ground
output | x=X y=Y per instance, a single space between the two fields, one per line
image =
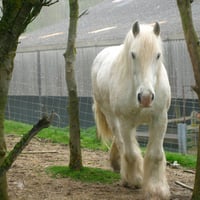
x=184 y=185
x=189 y=171
x=38 y=152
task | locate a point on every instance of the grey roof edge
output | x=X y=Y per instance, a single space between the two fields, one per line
x=84 y=44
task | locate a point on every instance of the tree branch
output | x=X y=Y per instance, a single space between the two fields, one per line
x=45 y=122
x=15 y=19
x=85 y=12
x=49 y=2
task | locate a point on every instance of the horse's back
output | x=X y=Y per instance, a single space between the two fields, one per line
x=102 y=70
x=105 y=58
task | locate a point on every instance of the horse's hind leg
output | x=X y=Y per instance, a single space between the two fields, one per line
x=155 y=182
x=115 y=156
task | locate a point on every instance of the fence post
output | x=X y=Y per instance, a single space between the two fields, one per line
x=39 y=74
x=39 y=82
x=182 y=139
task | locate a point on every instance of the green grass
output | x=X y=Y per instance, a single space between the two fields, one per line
x=13 y=127
x=88 y=140
x=188 y=161
x=86 y=174
x=57 y=135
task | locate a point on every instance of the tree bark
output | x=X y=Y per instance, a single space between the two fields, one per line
x=73 y=106
x=191 y=38
x=16 y=15
x=193 y=46
x=4 y=84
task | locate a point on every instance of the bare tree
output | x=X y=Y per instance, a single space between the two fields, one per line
x=193 y=46
x=73 y=106
x=16 y=15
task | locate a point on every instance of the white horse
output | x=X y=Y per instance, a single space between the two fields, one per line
x=131 y=87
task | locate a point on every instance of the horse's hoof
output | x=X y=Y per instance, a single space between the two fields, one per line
x=126 y=185
x=115 y=167
x=132 y=186
x=157 y=194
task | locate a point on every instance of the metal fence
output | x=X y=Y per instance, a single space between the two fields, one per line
x=39 y=85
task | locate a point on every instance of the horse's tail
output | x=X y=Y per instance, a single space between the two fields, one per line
x=103 y=130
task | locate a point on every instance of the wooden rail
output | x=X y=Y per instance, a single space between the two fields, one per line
x=168 y=136
x=181 y=119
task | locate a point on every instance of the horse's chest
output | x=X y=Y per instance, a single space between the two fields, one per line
x=144 y=116
x=135 y=115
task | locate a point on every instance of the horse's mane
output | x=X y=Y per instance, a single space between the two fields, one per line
x=153 y=42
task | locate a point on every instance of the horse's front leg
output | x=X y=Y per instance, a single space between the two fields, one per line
x=155 y=182
x=131 y=159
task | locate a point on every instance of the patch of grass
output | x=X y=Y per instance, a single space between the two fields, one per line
x=89 y=140
x=57 y=135
x=86 y=174
x=188 y=161
x=13 y=127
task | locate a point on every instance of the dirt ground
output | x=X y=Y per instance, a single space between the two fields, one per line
x=27 y=179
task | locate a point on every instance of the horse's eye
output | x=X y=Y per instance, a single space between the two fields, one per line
x=133 y=55
x=158 y=56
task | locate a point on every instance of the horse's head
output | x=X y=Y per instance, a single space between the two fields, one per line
x=145 y=53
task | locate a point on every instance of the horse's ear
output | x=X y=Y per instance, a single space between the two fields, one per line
x=156 y=29
x=136 y=28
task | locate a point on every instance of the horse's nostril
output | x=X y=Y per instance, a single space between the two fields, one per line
x=152 y=97
x=144 y=99
x=140 y=97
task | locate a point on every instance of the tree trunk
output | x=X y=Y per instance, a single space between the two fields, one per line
x=73 y=105
x=16 y=15
x=193 y=46
x=5 y=76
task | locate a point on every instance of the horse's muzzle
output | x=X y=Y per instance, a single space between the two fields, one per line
x=145 y=100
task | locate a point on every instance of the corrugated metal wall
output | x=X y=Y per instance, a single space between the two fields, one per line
x=44 y=73
x=179 y=68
